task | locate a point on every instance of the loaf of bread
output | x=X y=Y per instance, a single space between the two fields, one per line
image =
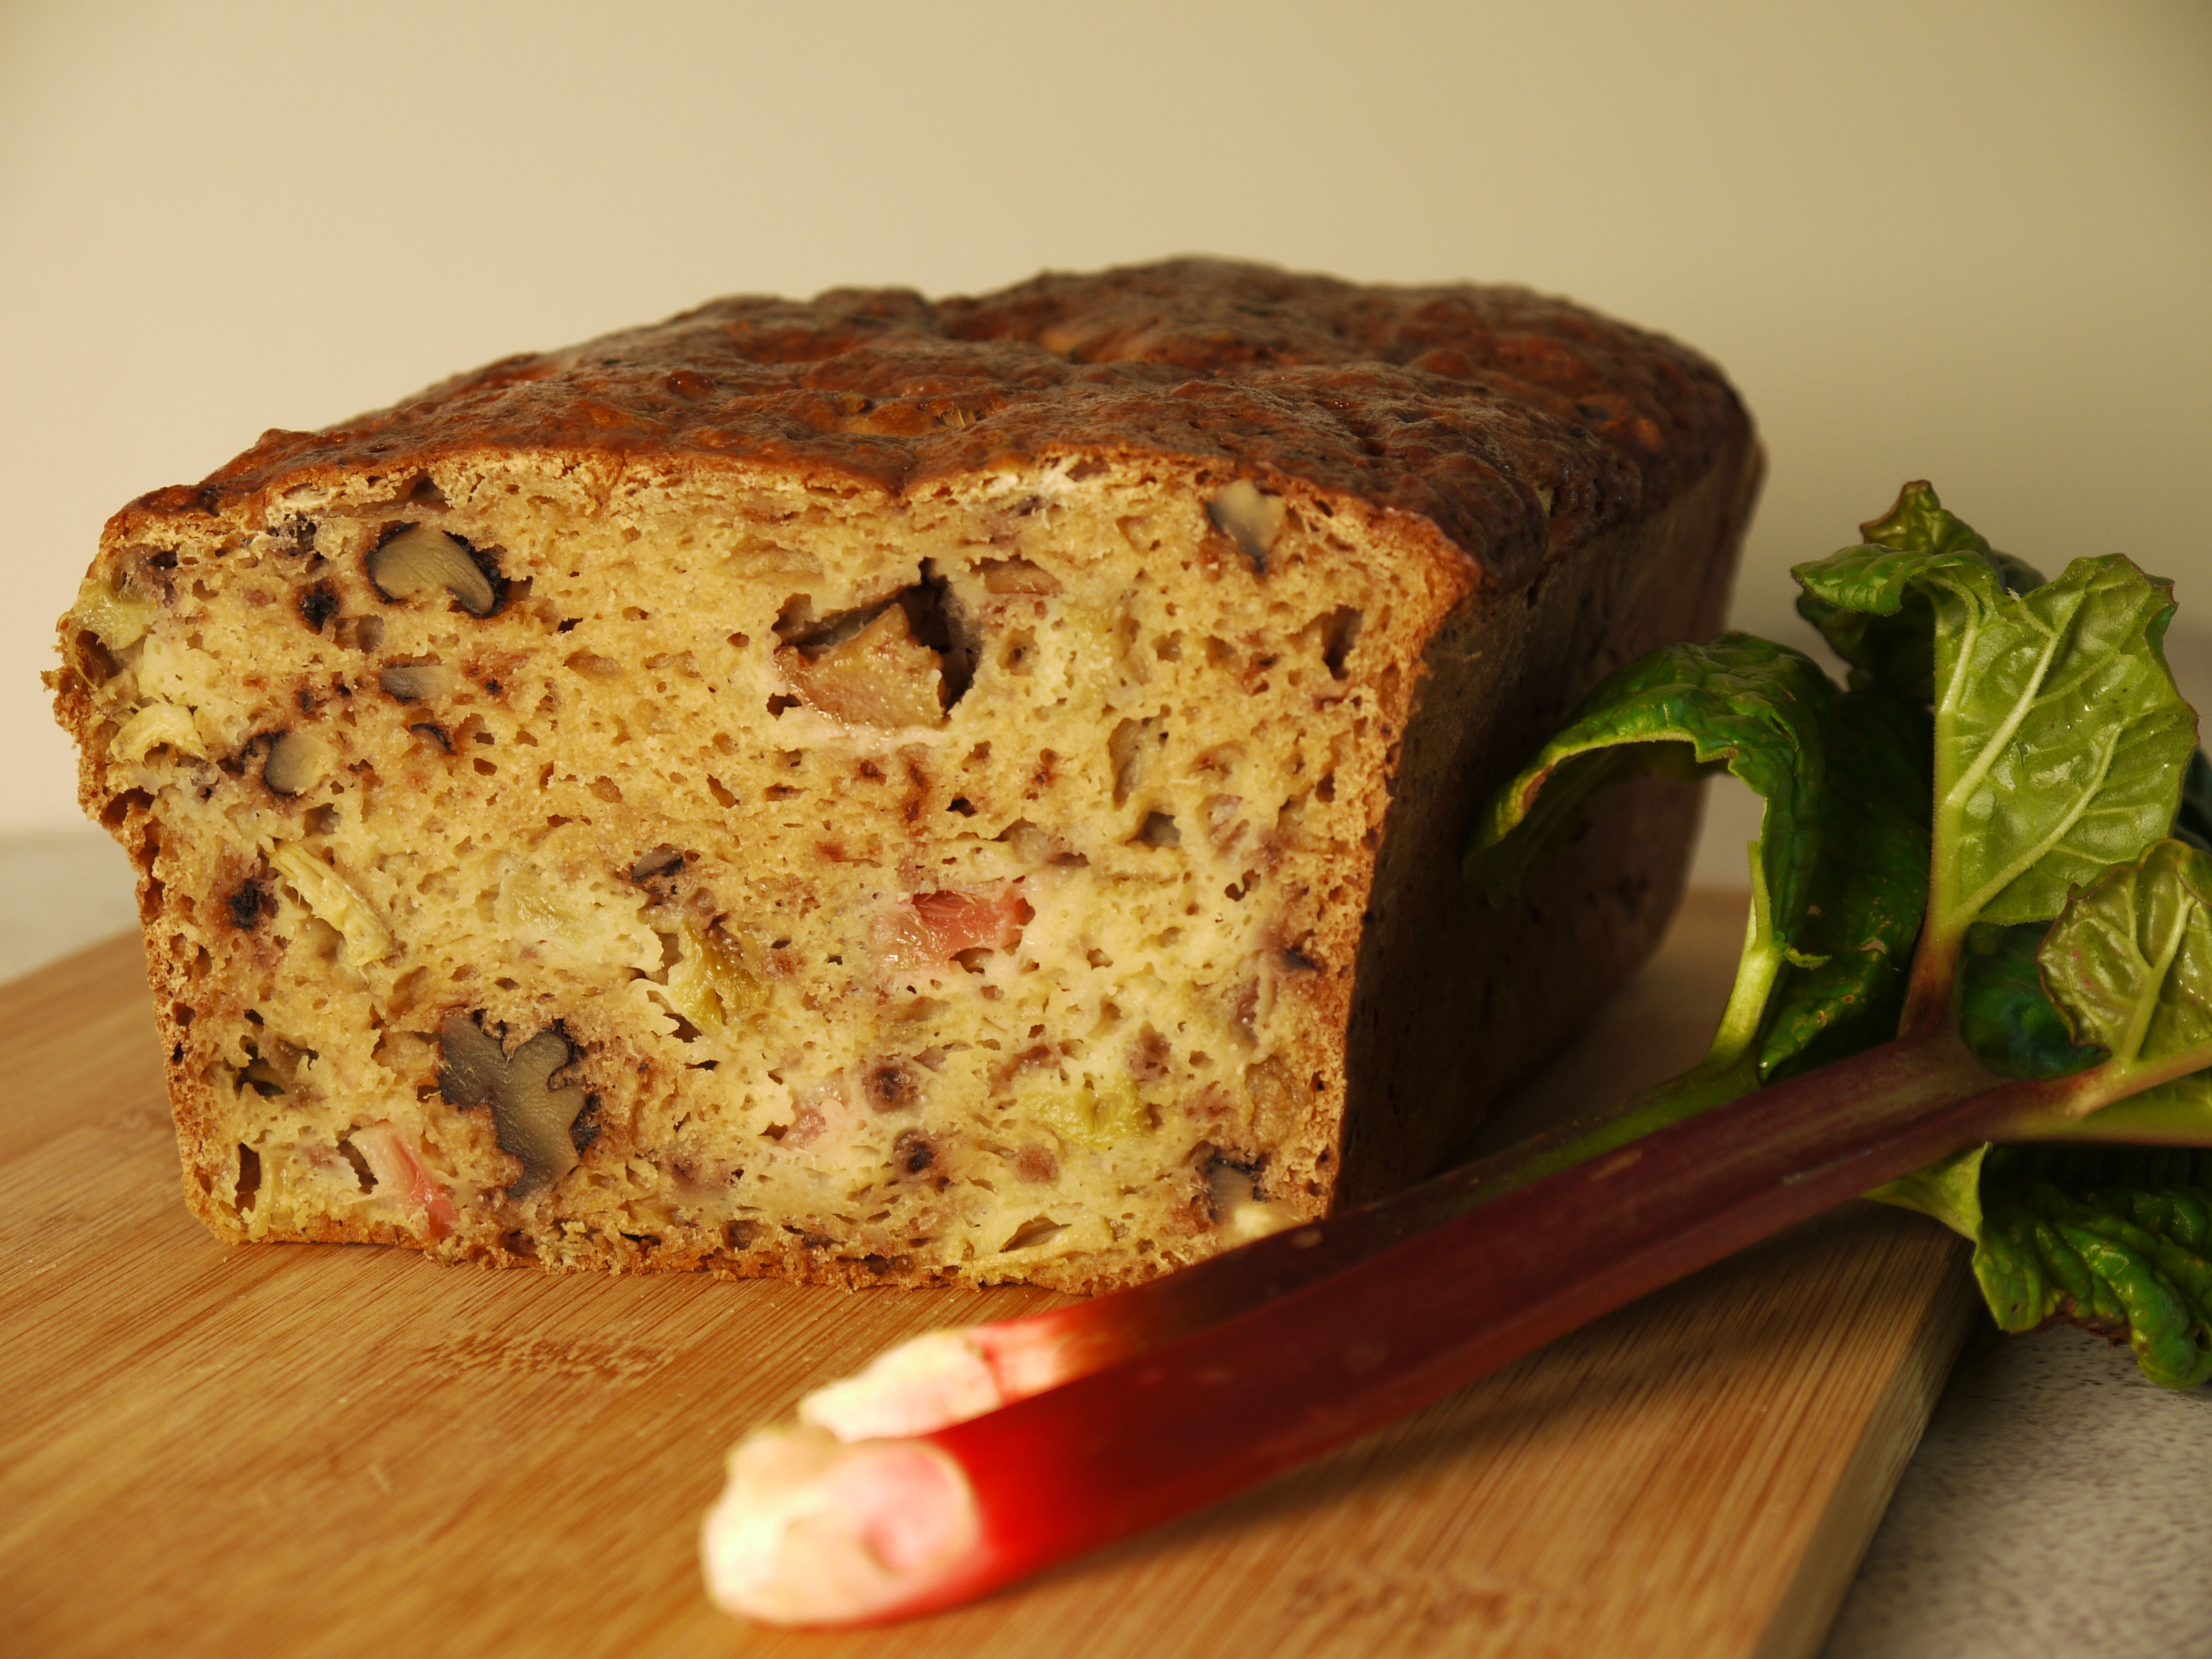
x=890 y=792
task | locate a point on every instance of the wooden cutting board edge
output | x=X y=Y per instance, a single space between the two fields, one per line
x=1808 y=1605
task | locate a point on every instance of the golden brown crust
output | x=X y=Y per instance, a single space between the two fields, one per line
x=1511 y=422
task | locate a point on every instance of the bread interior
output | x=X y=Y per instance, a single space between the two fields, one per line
x=746 y=871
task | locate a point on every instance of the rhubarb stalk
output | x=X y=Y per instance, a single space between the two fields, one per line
x=948 y=1377
x=1164 y=1431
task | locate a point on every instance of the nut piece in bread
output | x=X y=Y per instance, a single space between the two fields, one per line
x=891 y=792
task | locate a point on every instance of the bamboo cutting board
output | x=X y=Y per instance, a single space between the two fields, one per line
x=325 y=1450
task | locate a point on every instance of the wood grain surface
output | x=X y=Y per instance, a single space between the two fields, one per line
x=327 y=1450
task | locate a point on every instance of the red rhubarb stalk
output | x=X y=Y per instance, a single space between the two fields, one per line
x=947 y=1376
x=816 y=1533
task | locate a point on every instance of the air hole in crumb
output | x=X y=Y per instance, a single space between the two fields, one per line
x=1340 y=632
x=249 y=1180
x=1325 y=789
x=1035 y=1231
x=662 y=860
x=1159 y=830
x=363 y=1174
x=933 y=612
x=318 y=606
x=584 y=1127
x=94 y=661
x=1131 y=748
x=778 y=703
x=960 y=803
x=118 y=811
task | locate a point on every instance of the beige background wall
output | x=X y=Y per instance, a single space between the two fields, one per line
x=1968 y=240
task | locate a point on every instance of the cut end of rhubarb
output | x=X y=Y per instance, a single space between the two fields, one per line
x=934 y=1379
x=813 y=1532
x=944 y=1377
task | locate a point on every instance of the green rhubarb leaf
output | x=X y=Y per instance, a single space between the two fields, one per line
x=1888 y=639
x=2114 y=1239
x=2118 y=1240
x=1868 y=891
x=1686 y=711
x=2129 y=965
x=2060 y=738
x=1757 y=709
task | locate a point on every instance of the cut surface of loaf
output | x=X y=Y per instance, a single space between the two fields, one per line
x=893 y=792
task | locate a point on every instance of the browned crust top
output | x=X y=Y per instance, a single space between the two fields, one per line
x=1508 y=420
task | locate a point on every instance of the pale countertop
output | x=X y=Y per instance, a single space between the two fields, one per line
x=2059 y=1505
